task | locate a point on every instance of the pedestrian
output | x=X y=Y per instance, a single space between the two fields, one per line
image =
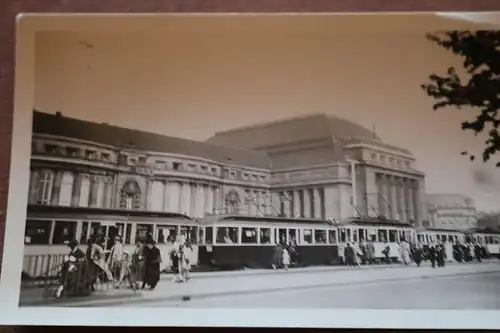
x=349 y=255
x=152 y=265
x=357 y=254
x=477 y=252
x=457 y=252
x=417 y=254
x=116 y=261
x=386 y=252
x=286 y=259
x=405 y=252
x=362 y=247
x=441 y=255
x=137 y=268
x=432 y=255
x=370 y=252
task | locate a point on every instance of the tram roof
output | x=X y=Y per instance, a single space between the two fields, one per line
x=375 y=222
x=441 y=230
x=483 y=231
x=86 y=212
x=261 y=219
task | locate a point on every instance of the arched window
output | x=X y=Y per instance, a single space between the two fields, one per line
x=130 y=196
x=232 y=199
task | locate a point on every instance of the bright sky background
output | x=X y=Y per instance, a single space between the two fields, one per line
x=190 y=77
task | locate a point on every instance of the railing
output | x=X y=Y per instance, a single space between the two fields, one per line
x=43 y=276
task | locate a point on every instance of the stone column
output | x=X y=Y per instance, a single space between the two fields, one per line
x=100 y=192
x=166 y=196
x=401 y=200
x=252 y=205
x=56 y=188
x=186 y=199
x=275 y=204
x=149 y=194
x=175 y=197
x=409 y=199
x=288 y=204
x=94 y=183
x=200 y=201
x=108 y=198
x=192 y=199
x=415 y=200
x=260 y=204
x=296 y=204
x=394 y=198
x=209 y=199
x=34 y=187
x=307 y=203
x=77 y=187
x=217 y=200
x=317 y=203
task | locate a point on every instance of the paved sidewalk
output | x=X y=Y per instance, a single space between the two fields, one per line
x=198 y=288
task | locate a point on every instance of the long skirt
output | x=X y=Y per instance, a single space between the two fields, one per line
x=152 y=274
x=137 y=271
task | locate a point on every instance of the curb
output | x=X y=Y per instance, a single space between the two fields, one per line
x=69 y=301
x=311 y=269
x=186 y=298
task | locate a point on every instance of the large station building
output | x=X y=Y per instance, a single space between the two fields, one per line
x=451 y=211
x=300 y=167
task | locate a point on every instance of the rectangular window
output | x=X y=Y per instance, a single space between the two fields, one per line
x=190 y=233
x=46 y=183
x=64 y=232
x=392 y=236
x=166 y=234
x=265 y=235
x=37 y=232
x=143 y=231
x=105 y=157
x=382 y=236
x=332 y=236
x=249 y=235
x=83 y=236
x=66 y=189
x=142 y=161
x=176 y=165
x=209 y=233
x=128 y=234
x=343 y=235
x=308 y=236
x=51 y=149
x=292 y=235
x=320 y=236
x=361 y=235
x=227 y=235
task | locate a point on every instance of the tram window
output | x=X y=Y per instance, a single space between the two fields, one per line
x=144 y=231
x=393 y=236
x=342 y=236
x=355 y=236
x=128 y=233
x=249 y=235
x=419 y=238
x=308 y=236
x=320 y=236
x=83 y=235
x=332 y=236
x=265 y=235
x=382 y=236
x=348 y=234
x=281 y=236
x=37 y=232
x=167 y=234
x=361 y=235
x=450 y=238
x=292 y=235
x=209 y=233
x=227 y=235
x=64 y=232
x=190 y=233
x=201 y=235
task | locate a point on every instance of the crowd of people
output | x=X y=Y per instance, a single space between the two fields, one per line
x=81 y=271
x=436 y=254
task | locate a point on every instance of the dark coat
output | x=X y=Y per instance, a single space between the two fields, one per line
x=152 y=266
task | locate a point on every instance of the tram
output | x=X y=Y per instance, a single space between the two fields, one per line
x=489 y=239
x=378 y=231
x=49 y=229
x=241 y=241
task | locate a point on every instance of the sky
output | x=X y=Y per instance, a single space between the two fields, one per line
x=193 y=76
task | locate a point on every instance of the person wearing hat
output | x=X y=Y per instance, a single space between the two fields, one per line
x=116 y=261
x=152 y=265
x=75 y=251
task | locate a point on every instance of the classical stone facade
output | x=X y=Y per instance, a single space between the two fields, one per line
x=296 y=167
x=451 y=211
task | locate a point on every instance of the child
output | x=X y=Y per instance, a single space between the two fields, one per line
x=286 y=259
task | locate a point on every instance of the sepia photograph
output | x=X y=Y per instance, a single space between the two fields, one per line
x=264 y=162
